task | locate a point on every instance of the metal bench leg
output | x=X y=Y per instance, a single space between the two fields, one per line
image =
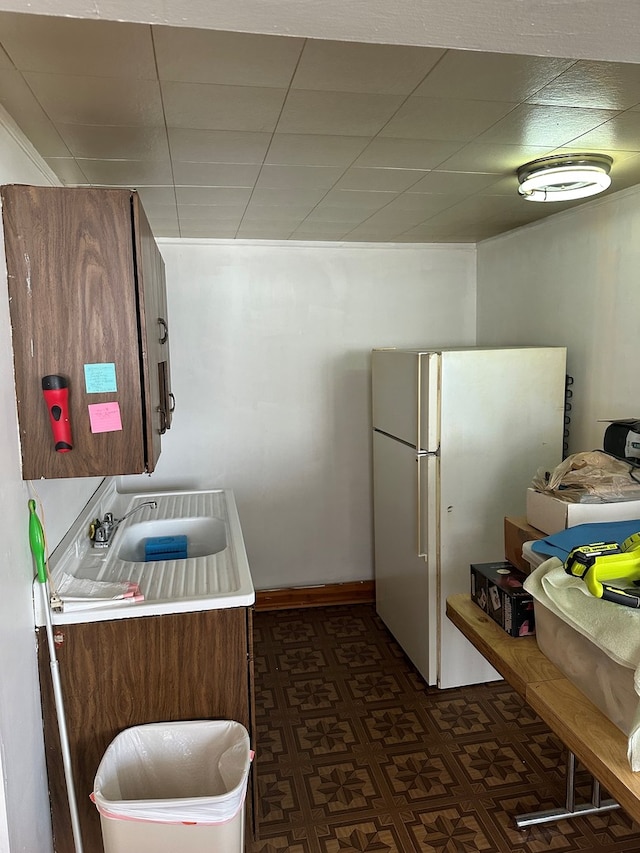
x=596 y=806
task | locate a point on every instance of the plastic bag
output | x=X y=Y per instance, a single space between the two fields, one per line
x=590 y=477
x=182 y=772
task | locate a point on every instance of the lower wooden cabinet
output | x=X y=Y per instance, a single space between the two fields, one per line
x=128 y=672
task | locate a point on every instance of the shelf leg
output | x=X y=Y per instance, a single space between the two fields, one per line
x=596 y=806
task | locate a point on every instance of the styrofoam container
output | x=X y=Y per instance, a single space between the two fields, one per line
x=608 y=684
x=552 y=515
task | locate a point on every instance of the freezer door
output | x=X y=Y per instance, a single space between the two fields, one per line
x=405 y=391
x=405 y=582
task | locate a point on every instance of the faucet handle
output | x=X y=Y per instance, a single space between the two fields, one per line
x=100 y=531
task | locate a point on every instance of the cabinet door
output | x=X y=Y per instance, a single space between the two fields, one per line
x=74 y=312
x=128 y=672
x=150 y=279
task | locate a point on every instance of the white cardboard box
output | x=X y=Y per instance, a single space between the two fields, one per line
x=551 y=515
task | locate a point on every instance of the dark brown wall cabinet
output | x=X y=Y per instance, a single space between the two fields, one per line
x=88 y=303
x=128 y=672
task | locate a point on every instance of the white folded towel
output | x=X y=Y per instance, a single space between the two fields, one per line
x=612 y=627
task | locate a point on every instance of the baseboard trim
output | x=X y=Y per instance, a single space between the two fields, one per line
x=355 y=592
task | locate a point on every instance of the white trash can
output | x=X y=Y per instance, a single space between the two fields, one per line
x=174 y=788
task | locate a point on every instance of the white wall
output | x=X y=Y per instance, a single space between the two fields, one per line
x=577 y=28
x=24 y=801
x=573 y=280
x=270 y=348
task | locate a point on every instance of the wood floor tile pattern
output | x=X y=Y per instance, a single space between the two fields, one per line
x=355 y=753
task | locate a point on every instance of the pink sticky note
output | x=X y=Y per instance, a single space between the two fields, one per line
x=105 y=417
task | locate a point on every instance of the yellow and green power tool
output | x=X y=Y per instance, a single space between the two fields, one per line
x=608 y=561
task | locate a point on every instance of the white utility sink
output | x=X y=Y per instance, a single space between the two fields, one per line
x=215 y=573
x=206 y=535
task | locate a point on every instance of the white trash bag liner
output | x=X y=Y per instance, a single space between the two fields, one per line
x=183 y=772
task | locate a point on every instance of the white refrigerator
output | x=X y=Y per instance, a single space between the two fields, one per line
x=458 y=435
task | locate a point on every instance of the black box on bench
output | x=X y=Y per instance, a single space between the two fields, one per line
x=497 y=589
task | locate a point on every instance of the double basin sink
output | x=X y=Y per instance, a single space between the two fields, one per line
x=214 y=574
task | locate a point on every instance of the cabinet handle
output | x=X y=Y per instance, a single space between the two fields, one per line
x=163 y=421
x=164 y=336
x=172 y=407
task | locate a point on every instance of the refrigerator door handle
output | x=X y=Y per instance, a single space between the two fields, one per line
x=422 y=484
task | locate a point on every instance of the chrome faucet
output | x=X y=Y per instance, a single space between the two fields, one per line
x=101 y=531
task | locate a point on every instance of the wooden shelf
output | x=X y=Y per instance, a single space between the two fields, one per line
x=597 y=744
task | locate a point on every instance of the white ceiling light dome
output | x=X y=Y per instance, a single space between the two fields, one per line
x=564 y=177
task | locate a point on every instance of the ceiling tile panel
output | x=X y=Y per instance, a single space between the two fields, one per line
x=264 y=231
x=597 y=85
x=406 y=153
x=326 y=212
x=215 y=174
x=441 y=119
x=453 y=182
x=127 y=173
x=532 y=124
x=213 y=195
x=300 y=149
x=237 y=59
x=158 y=196
x=212 y=107
x=336 y=66
x=336 y=113
x=278 y=211
x=627 y=172
x=392 y=180
x=73 y=46
x=489 y=157
x=22 y=105
x=257 y=213
x=198 y=230
x=98 y=100
x=166 y=227
x=394 y=220
x=426 y=204
x=507 y=186
x=217 y=146
x=621 y=132
x=297 y=196
x=473 y=76
x=115 y=143
x=359 y=200
x=67 y=170
x=372 y=233
x=5 y=62
x=212 y=214
x=161 y=213
x=323 y=177
x=321 y=231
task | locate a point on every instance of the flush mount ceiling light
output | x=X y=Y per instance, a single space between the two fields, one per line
x=564 y=177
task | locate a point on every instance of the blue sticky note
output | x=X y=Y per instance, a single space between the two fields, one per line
x=100 y=378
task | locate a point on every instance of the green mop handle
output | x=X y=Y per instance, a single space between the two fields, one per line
x=36 y=541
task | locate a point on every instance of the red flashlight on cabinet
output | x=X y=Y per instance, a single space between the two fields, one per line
x=55 y=390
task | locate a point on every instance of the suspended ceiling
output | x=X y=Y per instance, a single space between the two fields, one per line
x=238 y=135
